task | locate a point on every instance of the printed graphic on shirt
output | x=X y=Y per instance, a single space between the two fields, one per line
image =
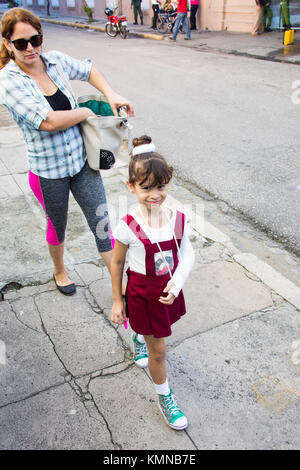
x=160 y=262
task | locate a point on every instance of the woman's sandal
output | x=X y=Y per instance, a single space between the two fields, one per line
x=66 y=290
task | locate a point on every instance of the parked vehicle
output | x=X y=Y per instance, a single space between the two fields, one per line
x=116 y=24
x=166 y=22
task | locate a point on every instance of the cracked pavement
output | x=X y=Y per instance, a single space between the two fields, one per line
x=67 y=376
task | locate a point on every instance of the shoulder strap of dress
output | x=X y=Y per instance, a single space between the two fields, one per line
x=136 y=229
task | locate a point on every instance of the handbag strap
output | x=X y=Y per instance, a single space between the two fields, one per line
x=67 y=83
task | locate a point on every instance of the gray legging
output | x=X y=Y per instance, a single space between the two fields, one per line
x=87 y=188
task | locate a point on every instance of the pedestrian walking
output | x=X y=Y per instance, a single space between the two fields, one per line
x=38 y=97
x=181 y=18
x=194 y=8
x=155 y=7
x=160 y=258
x=258 y=26
x=137 y=10
x=267 y=16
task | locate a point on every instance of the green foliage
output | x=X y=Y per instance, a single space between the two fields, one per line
x=88 y=11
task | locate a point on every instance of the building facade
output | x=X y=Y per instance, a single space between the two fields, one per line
x=213 y=15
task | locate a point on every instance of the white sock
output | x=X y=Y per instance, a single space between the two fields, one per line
x=140 y=338
x=162 y=389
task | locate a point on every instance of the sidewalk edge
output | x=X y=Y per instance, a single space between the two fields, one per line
x=100 y=28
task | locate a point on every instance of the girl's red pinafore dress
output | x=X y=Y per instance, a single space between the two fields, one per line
x=148 y=316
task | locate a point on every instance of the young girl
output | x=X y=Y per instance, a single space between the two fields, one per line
x=160 y=259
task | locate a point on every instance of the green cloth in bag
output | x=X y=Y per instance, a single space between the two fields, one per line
x=101 y=108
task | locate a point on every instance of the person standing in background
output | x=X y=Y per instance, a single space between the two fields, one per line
x=285 y=8
x=168 y=7
x=267 y=14
x=137 y=10
x=155 y=7
x=258 y=27
x=194 y=8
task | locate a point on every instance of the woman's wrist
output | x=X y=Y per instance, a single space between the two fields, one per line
x=87 y=112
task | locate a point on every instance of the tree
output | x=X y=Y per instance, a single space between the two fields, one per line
x=88 y=11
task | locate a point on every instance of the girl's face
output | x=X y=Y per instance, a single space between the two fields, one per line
x=31 y=54
x=150 y=197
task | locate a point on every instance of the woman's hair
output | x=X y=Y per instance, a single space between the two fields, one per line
x=8 y=22
x=149 y=166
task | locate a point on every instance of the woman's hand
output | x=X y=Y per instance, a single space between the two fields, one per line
x=169 y=299
x=97 y=80
x=116 y=101
x=118 y=312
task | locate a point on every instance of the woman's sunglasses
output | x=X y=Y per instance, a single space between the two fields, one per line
x=22 y=44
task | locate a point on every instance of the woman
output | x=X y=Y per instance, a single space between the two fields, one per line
x=194 y=8
x=155 y=7
x=37 y=96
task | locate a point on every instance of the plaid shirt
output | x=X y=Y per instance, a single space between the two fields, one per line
x=50 y=154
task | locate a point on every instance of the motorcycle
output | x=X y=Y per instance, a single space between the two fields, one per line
x=116 y=24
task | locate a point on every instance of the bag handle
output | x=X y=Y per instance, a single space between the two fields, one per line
x=66 y=81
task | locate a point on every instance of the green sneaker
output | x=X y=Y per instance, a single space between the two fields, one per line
x=141 y=354
x=174 y=417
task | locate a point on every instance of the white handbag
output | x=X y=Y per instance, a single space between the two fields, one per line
x=103 y=133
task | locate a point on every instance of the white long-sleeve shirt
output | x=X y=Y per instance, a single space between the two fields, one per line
x=136 y=249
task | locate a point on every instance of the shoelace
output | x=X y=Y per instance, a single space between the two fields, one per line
x=171 y=404
x=141 y=349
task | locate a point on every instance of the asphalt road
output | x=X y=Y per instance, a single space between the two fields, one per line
x=228 y=124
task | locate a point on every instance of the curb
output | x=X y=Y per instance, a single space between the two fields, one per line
x=262 y=270
x=101 y=28
x=275 y=280
x=74 y=25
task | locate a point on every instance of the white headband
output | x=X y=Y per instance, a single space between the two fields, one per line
x=143 y=149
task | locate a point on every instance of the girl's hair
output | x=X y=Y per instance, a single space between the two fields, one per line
x=8 y=22
x=149 y=166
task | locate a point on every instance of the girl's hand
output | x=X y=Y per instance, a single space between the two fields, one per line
x=170 y=297
x=116 y=101
x=118 y=312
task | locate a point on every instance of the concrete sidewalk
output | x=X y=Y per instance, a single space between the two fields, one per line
x=268 y=46
x=66 y=373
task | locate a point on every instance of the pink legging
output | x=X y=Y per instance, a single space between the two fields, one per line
x=34 y=183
